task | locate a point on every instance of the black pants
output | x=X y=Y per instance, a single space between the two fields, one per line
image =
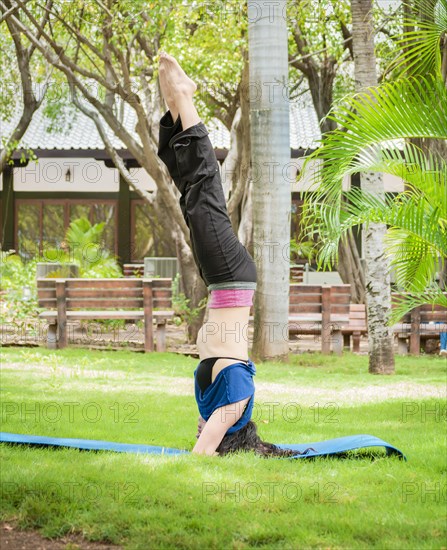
x=222 y=260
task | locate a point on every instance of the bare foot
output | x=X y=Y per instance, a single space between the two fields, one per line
x=167 y=92
x=175 y=77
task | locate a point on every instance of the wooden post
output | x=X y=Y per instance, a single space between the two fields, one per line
x=356 y=341
x=402 y=348
x=52 y=336
x=147 y=306
x=325 y=319
x=347 y=341
x=8 y=209
x=61 y=313
x=124 y=255
x=415 y=334
x=161 y=335
x=337 y=341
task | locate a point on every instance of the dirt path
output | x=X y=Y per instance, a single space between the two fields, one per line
x=11 y=538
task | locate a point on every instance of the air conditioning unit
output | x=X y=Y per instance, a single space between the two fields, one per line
x=161 y=267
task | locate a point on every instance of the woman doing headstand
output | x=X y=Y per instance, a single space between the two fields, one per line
x=224 y=387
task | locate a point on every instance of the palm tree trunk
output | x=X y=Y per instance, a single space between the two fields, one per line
x=377 y=275
x=270 y=151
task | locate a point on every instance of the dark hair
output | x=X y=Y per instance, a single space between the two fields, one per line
x=247 y=439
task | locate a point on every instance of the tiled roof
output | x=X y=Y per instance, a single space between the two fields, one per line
x=304 y=127
x=81 y=133
x=78 y=133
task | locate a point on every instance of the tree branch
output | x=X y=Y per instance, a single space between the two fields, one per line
x=8 y=12
x=347 y=38
x=57 y=48
x=117 y=160
x=146 y=152
x=30 y=102
x=43 y=24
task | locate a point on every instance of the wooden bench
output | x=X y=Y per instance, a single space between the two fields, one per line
x=417 y=326
x=321 y=310
x=356 y=327
x=93 y=299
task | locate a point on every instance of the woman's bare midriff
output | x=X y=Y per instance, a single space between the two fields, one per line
x=224 y=334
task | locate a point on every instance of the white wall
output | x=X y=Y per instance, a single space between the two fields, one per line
x=391 y=183
x=85 y=175
x=89 y=175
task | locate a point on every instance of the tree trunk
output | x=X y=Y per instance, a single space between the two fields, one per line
x=193 y=286
x=236 y=170
x=245 y=227
x=350 y=268
x=269 y=110
x=377 y=273
x=245 y=231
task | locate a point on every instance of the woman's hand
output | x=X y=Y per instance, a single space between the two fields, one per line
x=213 y=431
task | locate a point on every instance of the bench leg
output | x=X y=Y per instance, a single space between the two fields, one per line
x=326 y=338
x=356 y=341
x=52 y=336
x=415 y=344
x=347 y=341
x=161 y=336
x=402 y=347
x=337 y=342
x=148 y=339
x=61 y=335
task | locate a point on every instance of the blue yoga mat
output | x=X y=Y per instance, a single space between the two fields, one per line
x=322 y=448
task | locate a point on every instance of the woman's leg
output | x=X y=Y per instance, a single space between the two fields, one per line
x=219 y=254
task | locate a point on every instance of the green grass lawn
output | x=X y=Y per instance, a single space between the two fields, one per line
x=242 y=501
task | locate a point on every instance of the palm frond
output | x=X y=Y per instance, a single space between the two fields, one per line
x=417 y=217
x=407 y=108
x=329 y=211
x=398 y=110
x=420 y=48
x=413 y=259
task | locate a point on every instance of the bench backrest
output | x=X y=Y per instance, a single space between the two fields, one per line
x=428 y=313
x=357 y=316
x=308 y=299
x=123 y=293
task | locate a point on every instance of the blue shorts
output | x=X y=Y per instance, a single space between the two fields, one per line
x=233 y=384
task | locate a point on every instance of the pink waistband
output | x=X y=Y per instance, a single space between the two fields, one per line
x=230 y=297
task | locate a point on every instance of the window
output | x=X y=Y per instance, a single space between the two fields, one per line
x=295 y=218
x=148 y=236
x=41 y=224
x=53 y=225
x=28 y=234
x=105 y=212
